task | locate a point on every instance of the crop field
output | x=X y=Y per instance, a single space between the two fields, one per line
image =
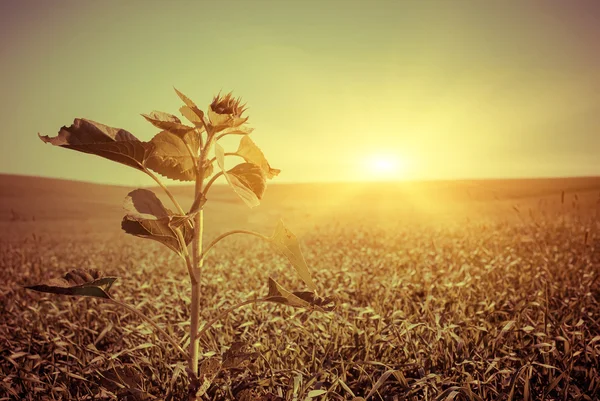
x=460 y=290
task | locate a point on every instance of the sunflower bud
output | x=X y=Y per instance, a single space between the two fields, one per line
x=226 y=112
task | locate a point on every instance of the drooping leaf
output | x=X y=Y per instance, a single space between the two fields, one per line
x=252 y=154
x=78 y=282
x=171 y=158
x=298 y=299
x=288 y=245
x=250 y=177
x=145 y=204
x=280 y=295
x=238 y=356
x=115 y=144
x=161 y=230
x=199 y=114
x=168 y=122
x=246 y=179
x=325 y=304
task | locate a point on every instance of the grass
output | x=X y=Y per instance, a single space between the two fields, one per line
x=477 y=305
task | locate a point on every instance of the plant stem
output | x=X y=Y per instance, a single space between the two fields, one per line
x=227 y=234
x=231 y=133
x=195 y=307
x=197 y=263
x=151 y=322
x=211 y=161
x=225 y=313
x=213 y=179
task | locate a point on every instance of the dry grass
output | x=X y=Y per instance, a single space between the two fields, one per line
x=482 y=305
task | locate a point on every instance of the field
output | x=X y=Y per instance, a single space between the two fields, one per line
x=482 y=290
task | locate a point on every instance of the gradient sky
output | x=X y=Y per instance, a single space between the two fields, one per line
x=451 y=89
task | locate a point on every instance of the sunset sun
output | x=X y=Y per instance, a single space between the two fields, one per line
x=385 y=167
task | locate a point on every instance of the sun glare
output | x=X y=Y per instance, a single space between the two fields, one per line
x=385 y=167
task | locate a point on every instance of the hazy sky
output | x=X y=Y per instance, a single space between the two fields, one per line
x=444 y=89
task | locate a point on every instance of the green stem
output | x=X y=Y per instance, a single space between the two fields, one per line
x=197 y=262
x=212 y=180
x=227 y=234
x=230 y=133
x=226 y=154
x=151 y=322
x=195 y=306
x=225 y=313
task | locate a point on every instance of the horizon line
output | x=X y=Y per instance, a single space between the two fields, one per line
x=331 y=182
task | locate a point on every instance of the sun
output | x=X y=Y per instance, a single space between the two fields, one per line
x=384 y=166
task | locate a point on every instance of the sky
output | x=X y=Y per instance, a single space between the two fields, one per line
x=337 y=90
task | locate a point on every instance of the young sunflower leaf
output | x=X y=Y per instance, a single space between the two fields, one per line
x=325 y=304
x=246 y=179
x=280 y=295
x=250 y=177
x=196 y=113
x=78 y=282
x=171 y=158
x=252 y=154
x=115 y=144
x=145 y=204
x=240 y=130
x=298 y=299
x=191 y=116
x=168 y=122
x=161 y=230
x=288 y=245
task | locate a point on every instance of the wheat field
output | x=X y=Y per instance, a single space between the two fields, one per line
x=483 y=290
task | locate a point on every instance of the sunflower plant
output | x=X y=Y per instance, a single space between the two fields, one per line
x=186 y=151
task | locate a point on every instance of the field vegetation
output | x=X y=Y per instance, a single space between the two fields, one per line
x=467 y=290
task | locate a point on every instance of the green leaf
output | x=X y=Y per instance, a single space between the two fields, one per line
x=195 y=111
x=191 y=116
x=162 y=230
x=145 y=204
x=246 y=179
x=115 y=144
x=280 y=295
x=171 y=158
x=78 y=282
x=287 y=243
x=298 y=299
x=252 y=154
x=238 y=130
x=250 y=177
x=168 y=122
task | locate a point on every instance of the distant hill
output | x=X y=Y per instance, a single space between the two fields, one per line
x=26 y=198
